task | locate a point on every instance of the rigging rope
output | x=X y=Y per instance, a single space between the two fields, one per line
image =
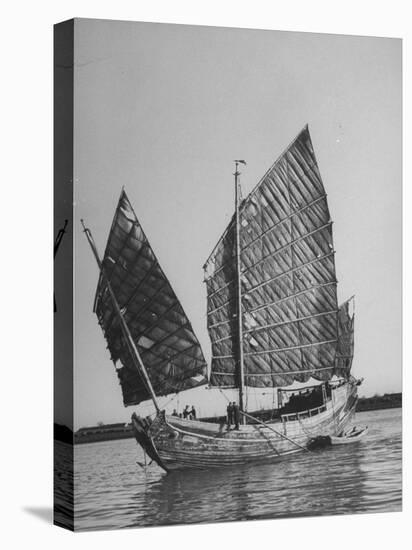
x=270 y=428
x=306 y=431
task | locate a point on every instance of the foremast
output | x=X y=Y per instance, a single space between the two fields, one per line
x=241 y=368
x=134 y=352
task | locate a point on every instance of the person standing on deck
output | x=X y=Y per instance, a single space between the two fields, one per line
x=186 y=412
x=236 y=415
x=193 y=413
x=229 y=415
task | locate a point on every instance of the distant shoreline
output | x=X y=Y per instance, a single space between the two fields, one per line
x=386 y=401
x=110 y=432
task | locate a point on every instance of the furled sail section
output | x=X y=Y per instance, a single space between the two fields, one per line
x=288 y=282
x=159 y=327
x=345 y=347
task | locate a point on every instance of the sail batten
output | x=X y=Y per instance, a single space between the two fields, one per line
x=287 y=276
x=272 y=325
x=279 y=350
x=290 y=272
x=264 y=283
x=245 y=247
x=157 y=322
x=288 y=217
x=264 y=374
x=285 y=247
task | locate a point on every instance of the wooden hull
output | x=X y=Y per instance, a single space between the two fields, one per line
x=177 y=444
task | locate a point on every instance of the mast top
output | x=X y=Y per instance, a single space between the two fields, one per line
x=237 y=162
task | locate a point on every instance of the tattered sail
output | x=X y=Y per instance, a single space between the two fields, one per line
x=159 y=327
x=288 y=282
x=344 y=351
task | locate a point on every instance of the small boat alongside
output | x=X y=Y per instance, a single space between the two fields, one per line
x=347 y=437
x=350 y=436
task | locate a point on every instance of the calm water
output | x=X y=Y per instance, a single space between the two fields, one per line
x=112 y=491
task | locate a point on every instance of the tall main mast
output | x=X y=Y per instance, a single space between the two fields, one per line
x=241 y=373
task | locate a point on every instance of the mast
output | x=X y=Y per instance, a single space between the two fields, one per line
x=59 y=237
x=57 y=243
x=286 y=251
x=241 y=373
x=137 y=360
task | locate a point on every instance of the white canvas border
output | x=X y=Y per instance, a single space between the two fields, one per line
x=27 y=279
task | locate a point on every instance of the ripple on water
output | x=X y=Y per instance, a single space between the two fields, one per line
x=111 y=491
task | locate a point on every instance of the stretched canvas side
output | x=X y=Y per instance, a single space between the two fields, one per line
x=63 y=274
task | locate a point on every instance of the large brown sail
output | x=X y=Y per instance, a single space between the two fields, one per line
x=157 y=322
x=289 y=302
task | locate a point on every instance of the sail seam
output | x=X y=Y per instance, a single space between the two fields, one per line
x=271 y=255
x=275 y=373
x=289 y=245
x=172 y=357
x=277 y=350
x=253 y=289
x=286 y=218
x=273 y=325
x=281 y=300
x=135 y=315
x=275 y=253
x=264 y=233
x=166 y=345
x=221 y=288
x=262 y=179
x=300 y=293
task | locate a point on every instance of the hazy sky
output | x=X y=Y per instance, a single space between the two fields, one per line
x=164 y=109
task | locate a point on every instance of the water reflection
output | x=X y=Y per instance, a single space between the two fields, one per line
x=112 y=492
x=63 y=485
x=325 y=482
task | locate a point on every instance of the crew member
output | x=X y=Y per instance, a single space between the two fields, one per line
x=229 y=415
x=236 y=415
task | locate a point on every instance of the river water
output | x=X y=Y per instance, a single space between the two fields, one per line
x=112 y=491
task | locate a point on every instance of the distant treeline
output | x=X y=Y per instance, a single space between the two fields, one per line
x=103 y=432
x=386 y=401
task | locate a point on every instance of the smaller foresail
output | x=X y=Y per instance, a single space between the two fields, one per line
x=345 y=347
x=159 y=327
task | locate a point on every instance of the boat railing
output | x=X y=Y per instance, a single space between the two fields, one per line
x=303 y=414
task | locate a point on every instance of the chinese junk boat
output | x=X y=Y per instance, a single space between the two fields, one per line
x=272 y=316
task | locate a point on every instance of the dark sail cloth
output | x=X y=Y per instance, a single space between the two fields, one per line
x=229 y=414
x=153 y=313
x=236 y=415
x=288 y=281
